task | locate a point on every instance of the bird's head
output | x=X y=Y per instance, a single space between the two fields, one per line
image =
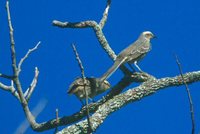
x=105 y=85
x=147 y=35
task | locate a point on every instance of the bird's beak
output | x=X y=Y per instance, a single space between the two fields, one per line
x=154 y=36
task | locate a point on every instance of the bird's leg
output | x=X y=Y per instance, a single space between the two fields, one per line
x=135 y=63
x=131 y=67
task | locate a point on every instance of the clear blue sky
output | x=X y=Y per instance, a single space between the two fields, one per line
x=175 y=22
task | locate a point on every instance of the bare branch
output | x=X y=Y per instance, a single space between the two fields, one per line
x=98 y=31
x=26 y=56
x=13 y=54
x=79 y=61
x=10 y=88
x=6 y=76
x=87 y=24
x=105 y=14
x=83 y=24
x=16 y=81
x=89 y=128
x=147 y=88
x=188 y=93
x=135 y=94
x=12 y=46
x=31 y=88
x=5 y=87
x=57 y=121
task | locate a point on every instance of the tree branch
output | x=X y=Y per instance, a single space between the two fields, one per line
x=13 y=56
x=12 y=42
x=31 y=88
x=10 y=88
x=89 y=24
x=147 y=88
x=26 y=56
x=113 y=102
x=98 y=31
x=57 y=116
x=6 y=76
x=89 y=128
x=188 y=93
x=105 y=15
x=16 y=81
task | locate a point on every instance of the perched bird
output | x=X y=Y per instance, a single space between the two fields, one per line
x=92 y=87
x=132 y=54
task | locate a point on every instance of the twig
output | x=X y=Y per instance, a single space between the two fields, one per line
x=13 y=58
x=31 y=88
x=57 y=121
x=26 y=56
x=6 y=76
x=5 y=87
x=13 y=90
x=105 y=14
x=79 y=60
x=10 y=89
x=86 y=93
x=12 y=46
x=188 y=93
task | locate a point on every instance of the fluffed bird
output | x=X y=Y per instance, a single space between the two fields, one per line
x=132 y=54
x=92 y=86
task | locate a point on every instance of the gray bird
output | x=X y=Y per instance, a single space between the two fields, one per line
x=132 y=54
x=92 y=86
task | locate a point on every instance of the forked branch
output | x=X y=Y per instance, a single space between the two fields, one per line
x=26 y=56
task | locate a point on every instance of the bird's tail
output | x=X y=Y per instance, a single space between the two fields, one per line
x=112 y=69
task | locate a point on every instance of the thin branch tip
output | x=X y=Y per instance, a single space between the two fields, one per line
x=27 y=55
x=188 y=93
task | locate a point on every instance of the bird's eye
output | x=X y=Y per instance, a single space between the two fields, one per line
x=148 y=35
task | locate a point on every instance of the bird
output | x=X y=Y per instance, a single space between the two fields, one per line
x=91 y=85
x=132 y=54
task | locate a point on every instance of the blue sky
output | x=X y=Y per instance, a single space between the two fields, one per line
x=174 y=22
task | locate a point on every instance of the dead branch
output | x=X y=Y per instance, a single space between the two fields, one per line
x=10 y=89
x=149 y=87
x=105 y=15
x=6 y=76
x=89 y=128
x=188 y=93
x=98 y=31
x=26 y=56
x=135 y=94
x=104 y=107
x=31 y=88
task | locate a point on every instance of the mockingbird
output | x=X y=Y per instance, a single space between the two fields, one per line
x=132 y=54
x=92 y=87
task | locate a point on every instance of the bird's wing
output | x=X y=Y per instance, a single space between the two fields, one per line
x=78 y=82
x=140 y=49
